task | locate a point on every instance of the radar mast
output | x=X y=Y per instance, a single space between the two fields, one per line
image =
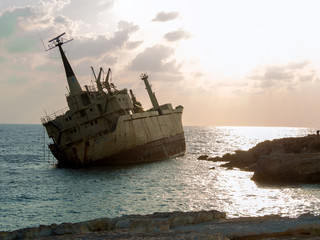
x=72 y=80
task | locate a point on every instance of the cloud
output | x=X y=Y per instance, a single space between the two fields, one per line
x=177 y=35
x=312 y=76
x=298 y=65
x=18 y=29
x=154 y=59
x=21 y=45
x=287 y=76
x=51 y=18
x=62 y=22
x=20 y=42
x=164 y=16
x=133 y=44
x=122 y=35
x=9 y=20
x=88 y=10
x=100 y=45
x=58 y=4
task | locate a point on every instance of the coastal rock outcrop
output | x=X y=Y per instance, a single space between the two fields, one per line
x=287 y=159
x=303 y=167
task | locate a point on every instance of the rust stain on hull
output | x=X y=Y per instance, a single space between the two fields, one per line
x=150 y=152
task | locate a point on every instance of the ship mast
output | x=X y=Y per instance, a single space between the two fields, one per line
x=98 y=82
x=73 y=83
x=154 y=101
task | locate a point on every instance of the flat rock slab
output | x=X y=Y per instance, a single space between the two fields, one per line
x=179 y=225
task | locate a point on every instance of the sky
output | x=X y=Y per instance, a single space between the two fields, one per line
x=229 y=63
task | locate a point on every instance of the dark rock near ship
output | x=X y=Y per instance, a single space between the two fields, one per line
x=203 y=157
x=281 y=160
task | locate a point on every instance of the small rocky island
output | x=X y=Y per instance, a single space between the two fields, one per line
x=289 y=160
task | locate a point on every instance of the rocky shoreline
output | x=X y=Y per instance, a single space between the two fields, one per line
x=177 y=225
x=288 y=160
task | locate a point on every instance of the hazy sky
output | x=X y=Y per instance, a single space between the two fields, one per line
x=231 y=62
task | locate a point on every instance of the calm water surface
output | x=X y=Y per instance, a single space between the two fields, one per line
x=34 y=191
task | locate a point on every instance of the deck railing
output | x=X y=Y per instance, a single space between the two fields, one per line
x=54 y=115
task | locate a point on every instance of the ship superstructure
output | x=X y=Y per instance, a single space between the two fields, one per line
x=106 y=126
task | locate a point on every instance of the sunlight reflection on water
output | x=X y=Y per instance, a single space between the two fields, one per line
x=232 y=191
x=36 y=192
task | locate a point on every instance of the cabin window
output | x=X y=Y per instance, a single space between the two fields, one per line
x=100 y=108
x=85 y=99
x=75 y=152
x=82 y=113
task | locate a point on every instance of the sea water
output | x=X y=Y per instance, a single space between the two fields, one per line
x=33 y=191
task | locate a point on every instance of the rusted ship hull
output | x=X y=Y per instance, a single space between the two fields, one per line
x=150 y=152
x=143 y=137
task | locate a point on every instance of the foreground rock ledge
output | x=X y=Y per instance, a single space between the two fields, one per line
x=280 y=160
x=177 y=225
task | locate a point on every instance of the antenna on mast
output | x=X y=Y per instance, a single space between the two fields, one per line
x=57 y=41
x=40 y=37
x=73 y=83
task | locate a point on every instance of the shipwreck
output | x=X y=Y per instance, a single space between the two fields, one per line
x=106 y=126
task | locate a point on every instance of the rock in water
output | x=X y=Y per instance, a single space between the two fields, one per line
x=287 y=159
x=203 y=157
x=303 y=167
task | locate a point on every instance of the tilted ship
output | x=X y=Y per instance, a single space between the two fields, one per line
x=106 y=126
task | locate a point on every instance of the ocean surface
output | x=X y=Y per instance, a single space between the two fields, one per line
x=33 y=191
